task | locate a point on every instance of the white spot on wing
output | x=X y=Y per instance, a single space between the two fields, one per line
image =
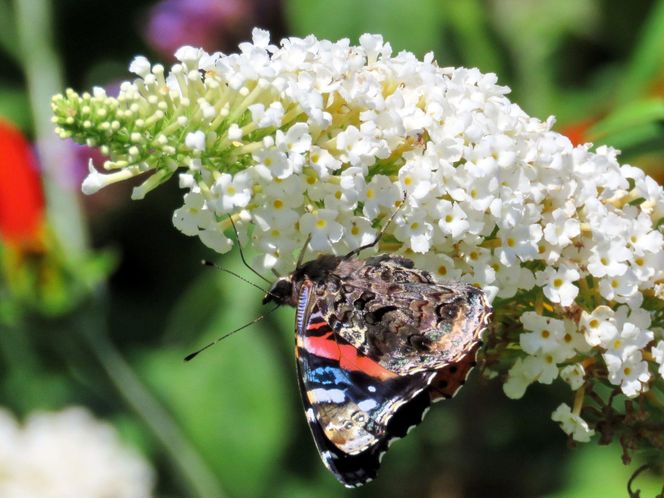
x=372 y=389
x=367 y=405
x=328 y=395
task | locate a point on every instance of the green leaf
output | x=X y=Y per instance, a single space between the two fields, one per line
x=8 y=36
x=590 y=462
x=647 y=59
x=14 y=107
x=196 y=308
x=232 y=400
x=469 y=22
x=407 y=26
x=628 y=116
x=636 y=128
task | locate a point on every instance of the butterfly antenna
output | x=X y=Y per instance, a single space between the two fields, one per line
x=221 y=268
x=355 y=252
x=302 y=251
x=191 y=356
x=237 y=237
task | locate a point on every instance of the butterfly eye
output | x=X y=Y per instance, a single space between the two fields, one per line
x=281 y=292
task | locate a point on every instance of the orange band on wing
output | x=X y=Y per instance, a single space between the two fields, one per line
x=317 y=325
x=347 y=356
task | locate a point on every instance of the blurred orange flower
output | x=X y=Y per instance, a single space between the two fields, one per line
x=578 y=132
x=21 y=195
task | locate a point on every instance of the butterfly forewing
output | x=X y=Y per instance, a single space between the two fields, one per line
x=400 y=317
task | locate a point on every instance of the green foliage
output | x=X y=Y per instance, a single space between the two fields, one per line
x=407 y=26
x=231 y=398
x=587 y=465
x=14 y=106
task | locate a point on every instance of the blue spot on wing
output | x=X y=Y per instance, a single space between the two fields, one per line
x=329 y=376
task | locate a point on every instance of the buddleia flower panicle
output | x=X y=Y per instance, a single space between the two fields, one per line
x=321 y=139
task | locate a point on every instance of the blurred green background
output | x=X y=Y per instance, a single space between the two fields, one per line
x=101 y=311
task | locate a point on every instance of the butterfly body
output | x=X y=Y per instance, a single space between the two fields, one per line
x=377 y=341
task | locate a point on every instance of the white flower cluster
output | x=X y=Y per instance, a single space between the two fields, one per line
x=322 y=139
x=67 y=454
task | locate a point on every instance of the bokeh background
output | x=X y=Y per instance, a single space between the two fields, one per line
x=100 y=298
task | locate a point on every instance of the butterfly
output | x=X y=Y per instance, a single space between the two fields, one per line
x=376 y=341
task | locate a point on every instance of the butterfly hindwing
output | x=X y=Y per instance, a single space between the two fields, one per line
x=354 y=406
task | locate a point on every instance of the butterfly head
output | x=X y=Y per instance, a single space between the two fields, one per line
x=282 y=292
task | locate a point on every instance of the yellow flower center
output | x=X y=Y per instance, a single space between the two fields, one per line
x=321 y=223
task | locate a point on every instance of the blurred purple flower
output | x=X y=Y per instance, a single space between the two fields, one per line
x=210 y=24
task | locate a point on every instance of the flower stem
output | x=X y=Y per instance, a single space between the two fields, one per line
x=198 y=477
x=578 y=400
x=44 y=79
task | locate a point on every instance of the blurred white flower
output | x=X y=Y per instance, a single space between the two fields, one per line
x=68 y=454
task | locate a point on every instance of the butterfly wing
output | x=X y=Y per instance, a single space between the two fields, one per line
x=354 y=406
x=400 y=317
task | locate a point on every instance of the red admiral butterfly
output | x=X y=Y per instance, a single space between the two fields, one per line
x=377 y=341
